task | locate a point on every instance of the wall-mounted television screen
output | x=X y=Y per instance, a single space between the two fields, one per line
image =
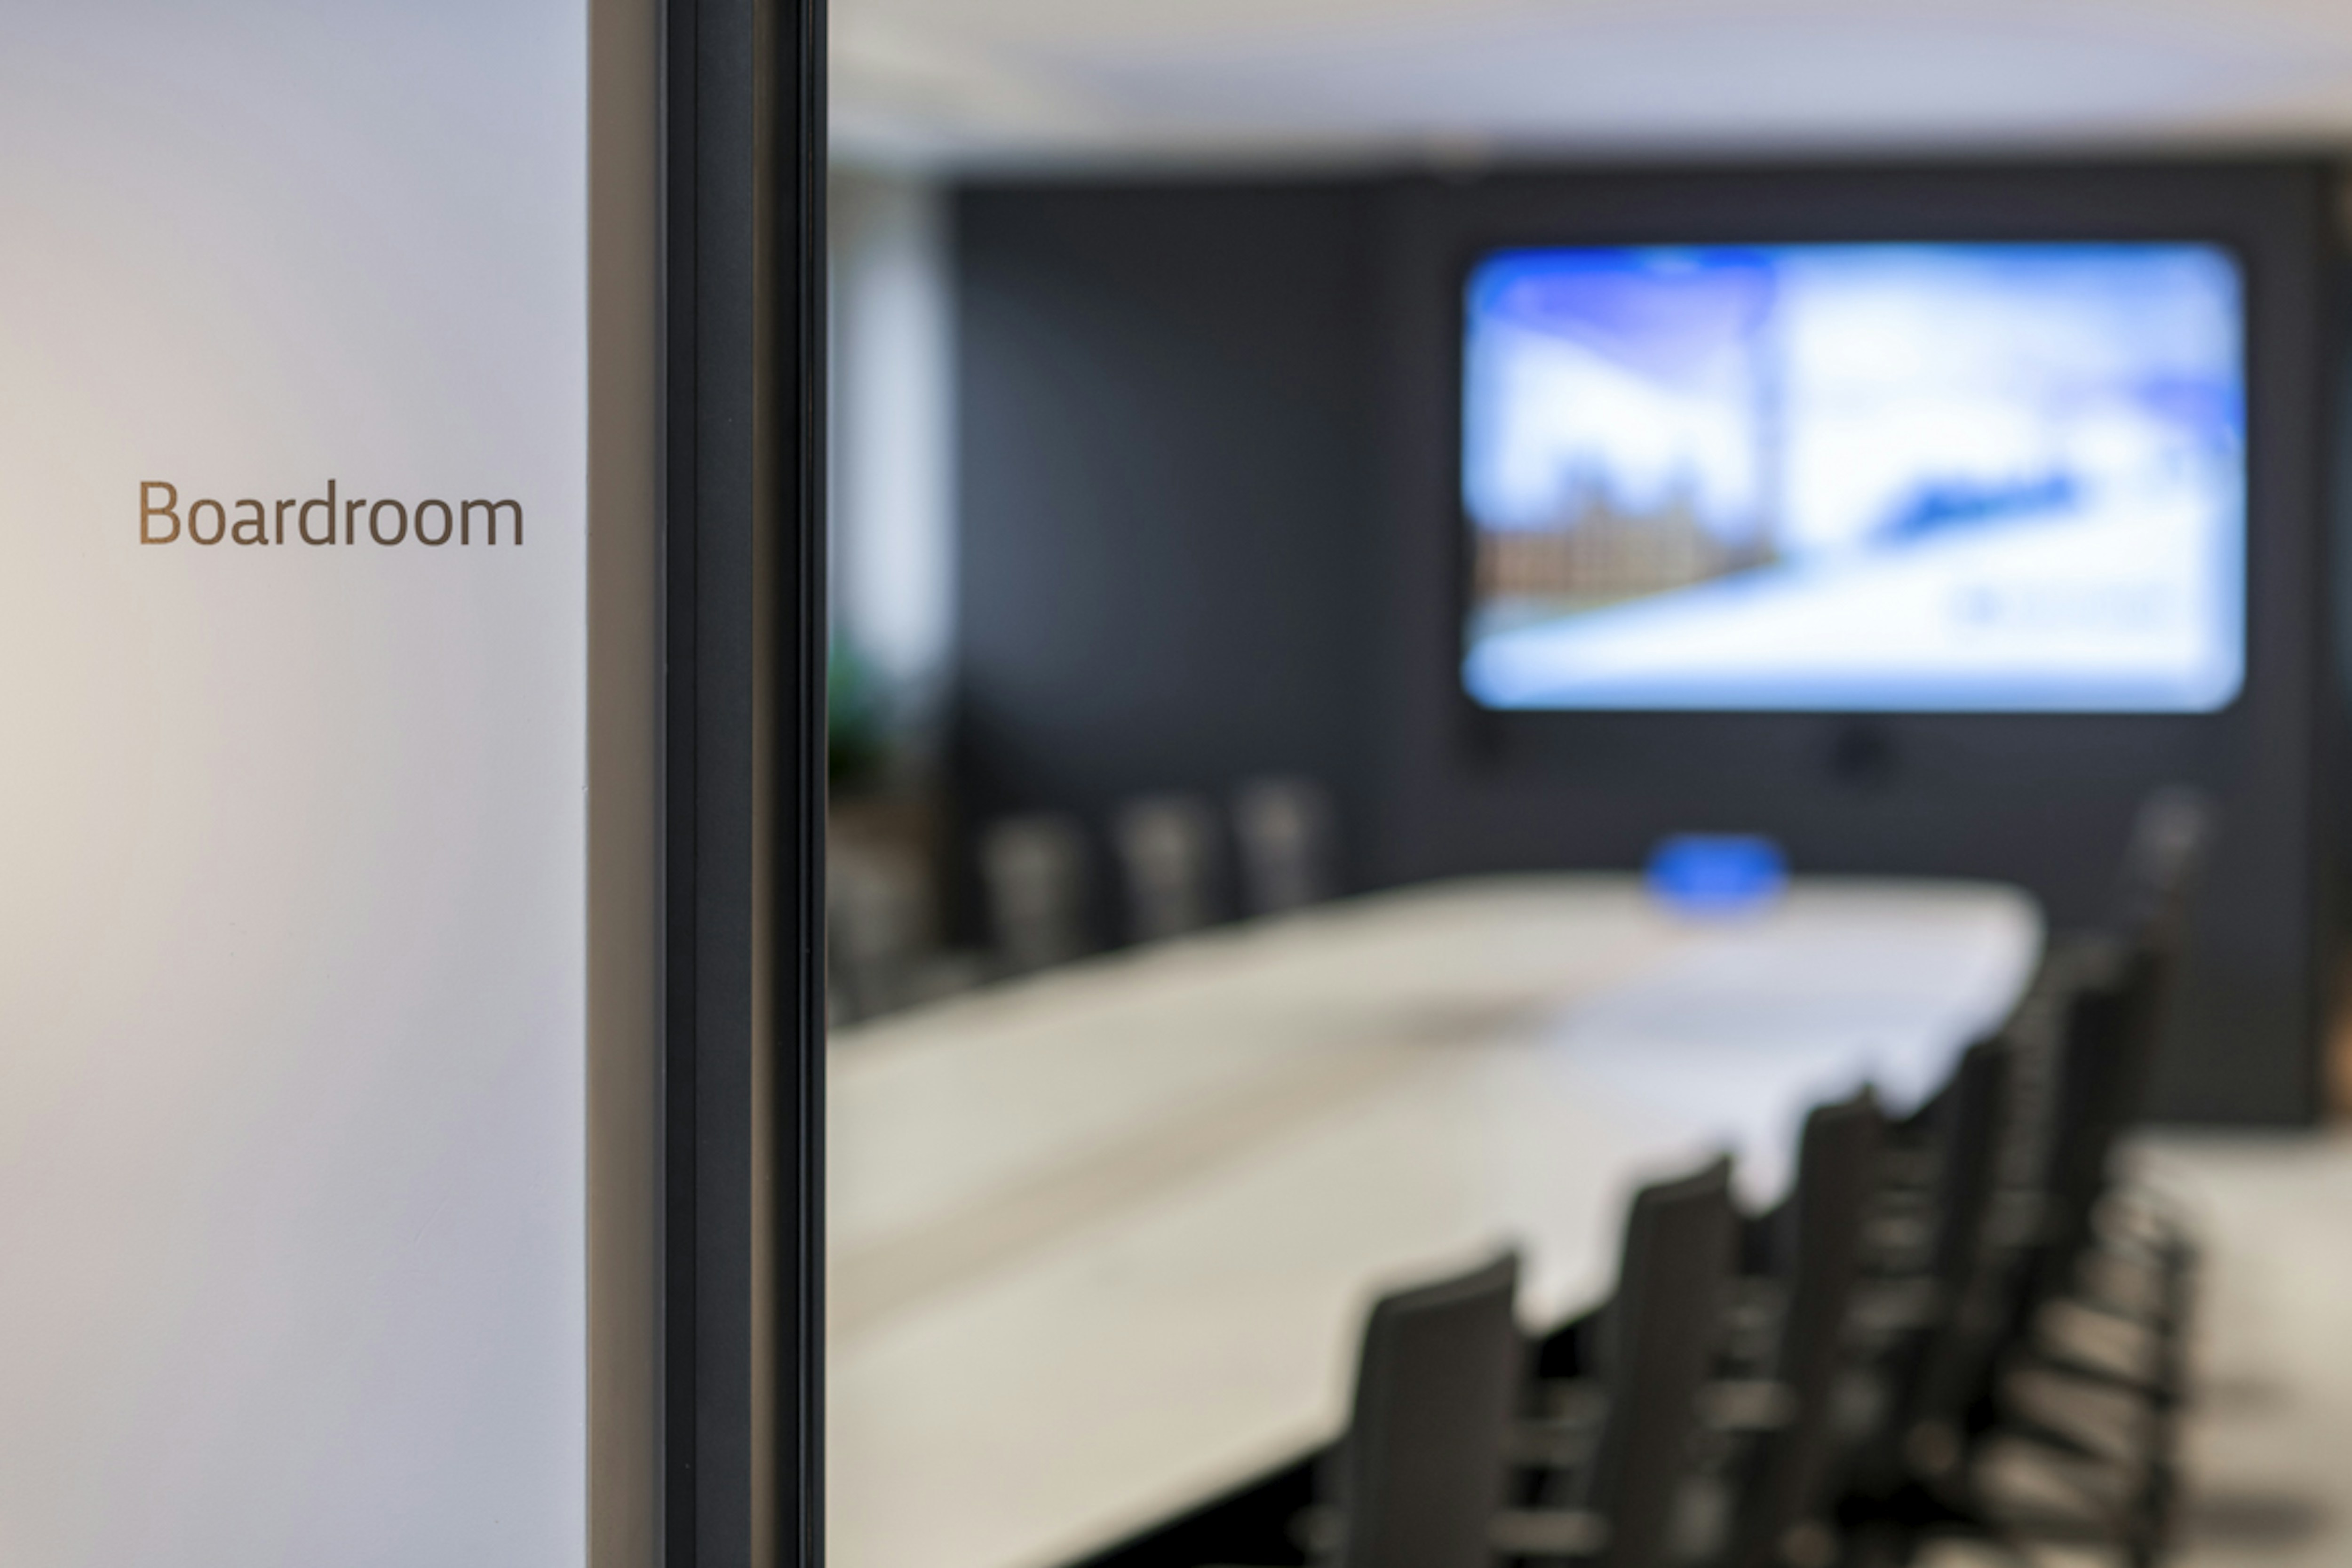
x=1989 y=478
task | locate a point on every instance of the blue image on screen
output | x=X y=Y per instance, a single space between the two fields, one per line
x=1885 y=478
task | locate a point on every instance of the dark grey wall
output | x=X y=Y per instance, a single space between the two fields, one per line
x=1209 y=528
x=1169 y=529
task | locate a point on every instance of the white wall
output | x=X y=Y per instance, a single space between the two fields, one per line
x=290 y=869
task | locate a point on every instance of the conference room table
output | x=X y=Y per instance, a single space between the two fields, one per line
x=1101 y=1240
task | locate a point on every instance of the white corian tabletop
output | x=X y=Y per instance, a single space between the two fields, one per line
x=1101 y=1241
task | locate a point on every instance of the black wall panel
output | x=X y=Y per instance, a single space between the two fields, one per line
x=1171 y=524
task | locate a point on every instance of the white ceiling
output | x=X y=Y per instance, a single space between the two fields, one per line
x=990 y=82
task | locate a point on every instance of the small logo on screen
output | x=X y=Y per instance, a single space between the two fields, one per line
x=329 y=518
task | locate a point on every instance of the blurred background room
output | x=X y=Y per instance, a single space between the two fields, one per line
x=1447 y=613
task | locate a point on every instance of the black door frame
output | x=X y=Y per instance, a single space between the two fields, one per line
x=743 y=638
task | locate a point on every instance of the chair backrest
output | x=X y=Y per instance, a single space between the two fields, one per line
x=877 y=925
x=1034 y=872
x=1659 y=1339
x=1419 y=1476
x=2112 y=1022
x=1970 y=1274
x=1789 y=1477
x=2170 y=837
x=1167 y=849
x=1970 y=1126
x=2170 y=842
x=2095 y=1100
x=1288 y=851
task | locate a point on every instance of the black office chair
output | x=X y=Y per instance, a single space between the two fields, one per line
x=1614 y=1448
x=1284 y=829
x=2127 y=1503
x=1813 y=1250
x=2009 y=1239
x=2123 y=992
x=1168 y=859
x=1931 y=1309
x=1419 y=1478
x=882 y=952
x=1034 y=872
x=2111 y=1028
x=2170 y=837
x=2116 y=993
x=1419 y=1475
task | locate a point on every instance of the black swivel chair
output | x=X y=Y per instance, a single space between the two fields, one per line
x=2016 y=1217
x=1417 y=1479
x=2116 y=993
x=1282 y=829
x=1812 y=1246
x=2121 y=996
x=1932 y=1309
x=1617 y=1441
x=1168 y=855
x=1033 y=871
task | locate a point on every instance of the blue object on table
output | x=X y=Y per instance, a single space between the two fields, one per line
x=1716 y=873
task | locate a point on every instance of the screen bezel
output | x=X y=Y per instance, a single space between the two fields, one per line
x=1464 y=266
x=1466 y=604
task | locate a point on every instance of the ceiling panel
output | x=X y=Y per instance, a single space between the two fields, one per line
x=997 y=81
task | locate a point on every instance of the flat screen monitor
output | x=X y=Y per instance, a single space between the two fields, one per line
x=1990 y=477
